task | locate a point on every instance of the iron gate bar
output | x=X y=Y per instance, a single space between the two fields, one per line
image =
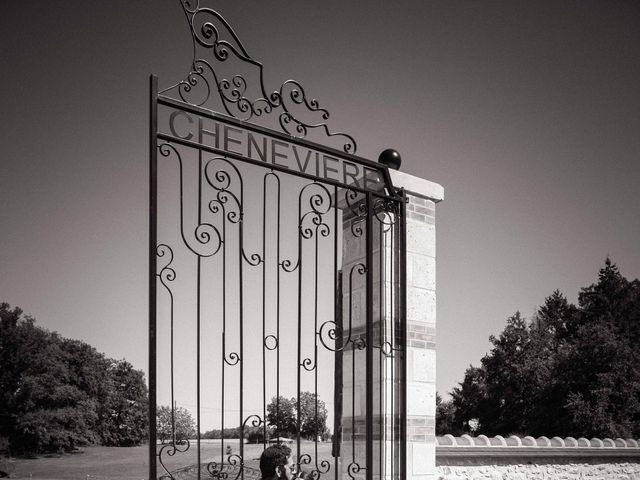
x=198 y=293
x=382 y=271
x=382 y=310
x=299 y=358
x=242 y=421
x=337 y=318
x=402 y=298
x=379 y=168
x=369 y=334
x=153 y=241
x=265 y=345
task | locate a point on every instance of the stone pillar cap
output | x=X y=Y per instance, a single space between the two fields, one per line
x=417 y=186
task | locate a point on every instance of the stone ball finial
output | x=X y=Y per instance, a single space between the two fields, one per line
x=391 y=158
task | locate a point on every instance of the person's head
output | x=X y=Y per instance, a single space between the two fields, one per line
x=276 y=462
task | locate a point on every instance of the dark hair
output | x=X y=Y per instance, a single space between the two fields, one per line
x=272 y=457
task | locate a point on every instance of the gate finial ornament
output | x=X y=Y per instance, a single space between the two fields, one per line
x=216 y=45
x=390 y=158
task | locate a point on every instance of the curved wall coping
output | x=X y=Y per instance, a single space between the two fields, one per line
x=466 y=445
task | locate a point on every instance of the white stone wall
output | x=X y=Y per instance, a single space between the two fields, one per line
x=542 y=458
x=524 y=468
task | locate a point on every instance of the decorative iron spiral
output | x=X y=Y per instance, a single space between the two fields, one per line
x=217 y=470
x=320 y=204
x=167 y=273
x=385 y=211
x=170 y=449
x=286 y=265
x=353 y=469
x=207 y=237
x=232 y=359
x=256 y=422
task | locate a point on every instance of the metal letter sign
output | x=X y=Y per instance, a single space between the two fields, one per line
x=276 y=289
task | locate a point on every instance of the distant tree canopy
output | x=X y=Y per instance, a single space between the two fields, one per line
x=571 y=371
x=281 y=416
x=281 y=421
x=217 y=433
x=57 y=393
x=178 y=422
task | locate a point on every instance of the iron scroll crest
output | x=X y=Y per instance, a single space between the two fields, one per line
x=216 y=44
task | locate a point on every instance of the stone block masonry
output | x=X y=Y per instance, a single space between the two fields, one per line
x=421 y=323
x=420 y=300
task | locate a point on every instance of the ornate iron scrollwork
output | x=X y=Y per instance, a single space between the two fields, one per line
x=170 y=449
x=241 y=281
x=216 y=44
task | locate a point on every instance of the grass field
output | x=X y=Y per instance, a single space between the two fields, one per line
x=96 y=463
x=112 y=463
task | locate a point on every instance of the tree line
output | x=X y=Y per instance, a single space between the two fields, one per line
x=281 y=421
x=57 y=393
x=572 y=370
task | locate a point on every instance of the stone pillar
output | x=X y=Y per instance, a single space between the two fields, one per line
x=421 y=326
x=421 y=323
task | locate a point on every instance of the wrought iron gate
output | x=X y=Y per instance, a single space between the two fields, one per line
x=276 y=290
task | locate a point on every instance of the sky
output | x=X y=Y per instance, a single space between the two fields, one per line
x=527 y=113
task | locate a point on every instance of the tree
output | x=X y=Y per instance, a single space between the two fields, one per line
x=470 y=399
x=257 y=434
x=604 y=391
x=124 y=420
x=555 y=320
x=174 y=425
x=550 y=333
x=282 y=416
x=571 y=371
x=57 y=394
x=42 y=409
x=445 y=417
x=506 y=379
x=216 y=433
x=313 y=416
x=11 y=365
